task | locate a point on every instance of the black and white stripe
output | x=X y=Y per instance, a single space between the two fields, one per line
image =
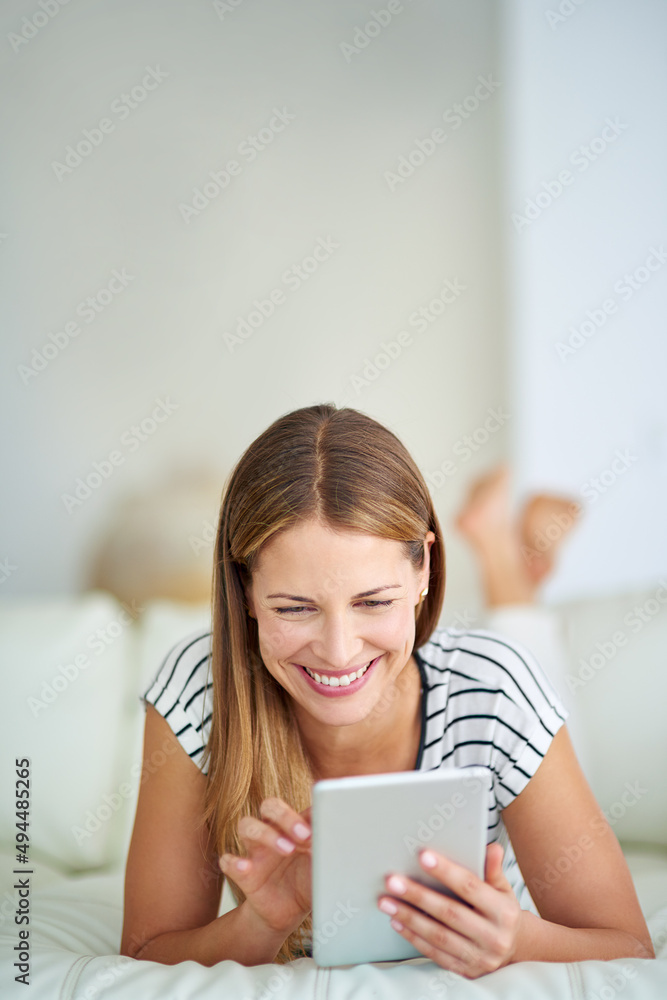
x=182 y=692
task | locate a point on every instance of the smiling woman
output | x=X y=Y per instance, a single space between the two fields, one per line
x=324 y=660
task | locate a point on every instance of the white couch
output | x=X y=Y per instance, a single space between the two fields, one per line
x=74 y=669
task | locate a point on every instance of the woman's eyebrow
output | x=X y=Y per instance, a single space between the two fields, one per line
x=366 y=593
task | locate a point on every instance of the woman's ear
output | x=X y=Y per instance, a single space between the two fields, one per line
x=428 y=542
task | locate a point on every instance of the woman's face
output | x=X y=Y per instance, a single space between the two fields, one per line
x=334 y=603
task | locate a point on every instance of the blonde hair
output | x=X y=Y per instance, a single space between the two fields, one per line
x=349 y=472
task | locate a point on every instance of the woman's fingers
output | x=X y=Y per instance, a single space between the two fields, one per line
x=255 y=834
x=291 y=823
x=281 y=830
x=470 y=939
x=233 y=864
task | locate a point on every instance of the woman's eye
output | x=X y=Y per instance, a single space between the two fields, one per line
x=298 y=610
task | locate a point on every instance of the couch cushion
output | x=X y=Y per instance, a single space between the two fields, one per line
x=65 y=676
x=160 y=626
x=618 y=682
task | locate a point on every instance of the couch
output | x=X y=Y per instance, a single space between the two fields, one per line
x=74 y=668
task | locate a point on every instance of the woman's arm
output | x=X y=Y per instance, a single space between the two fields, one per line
x=573 y=867
x=572 y=864
x=172 y=885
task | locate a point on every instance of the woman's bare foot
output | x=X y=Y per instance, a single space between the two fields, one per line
x=486 y=522
x=486 y=509
x=545 y=522
x=514 y=558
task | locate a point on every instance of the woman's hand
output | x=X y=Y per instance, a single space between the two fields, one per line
x=276 y=874
x=471 y=942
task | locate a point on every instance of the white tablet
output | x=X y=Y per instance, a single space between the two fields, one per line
x=365 y=827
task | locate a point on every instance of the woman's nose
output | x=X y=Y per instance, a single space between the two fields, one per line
x=338 y=646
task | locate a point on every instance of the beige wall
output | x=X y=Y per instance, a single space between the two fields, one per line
x=182 y=279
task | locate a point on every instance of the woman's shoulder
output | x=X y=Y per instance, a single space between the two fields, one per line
x=490 y=660
x=182 y=692
x=183 y=668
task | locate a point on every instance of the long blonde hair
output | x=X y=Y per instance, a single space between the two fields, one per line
x=346 y=470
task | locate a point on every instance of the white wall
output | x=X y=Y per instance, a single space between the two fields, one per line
x=323 y=176
x=586 y=100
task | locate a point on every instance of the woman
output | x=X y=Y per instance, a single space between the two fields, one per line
x=326 y=660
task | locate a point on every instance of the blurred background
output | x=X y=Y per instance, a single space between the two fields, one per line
x=449 y=215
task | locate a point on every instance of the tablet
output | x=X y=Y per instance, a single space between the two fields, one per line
x=369 y=825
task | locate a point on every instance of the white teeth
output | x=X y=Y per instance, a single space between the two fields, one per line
x=338 y=681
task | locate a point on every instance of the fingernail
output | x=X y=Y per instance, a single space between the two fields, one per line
x=396 y=884
x=301 y=831
x=428 y=860
x=388 y=907
x=285 y=845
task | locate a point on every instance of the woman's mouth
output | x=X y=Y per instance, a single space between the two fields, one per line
x=339 y=684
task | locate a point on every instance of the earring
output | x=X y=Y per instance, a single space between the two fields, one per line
x=422 y=596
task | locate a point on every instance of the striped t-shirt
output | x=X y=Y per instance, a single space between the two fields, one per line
x=486 y=701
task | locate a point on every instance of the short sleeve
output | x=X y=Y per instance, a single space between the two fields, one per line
x=530 y=713
x=182 y=693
